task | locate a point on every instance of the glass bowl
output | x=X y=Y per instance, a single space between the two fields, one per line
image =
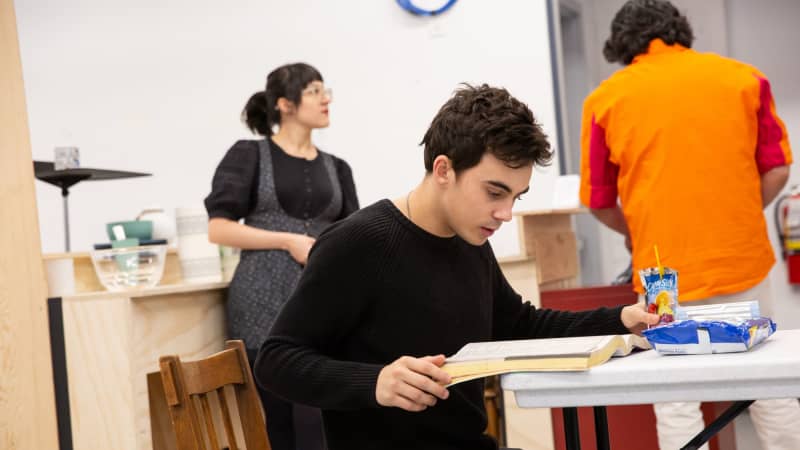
x=121 y=269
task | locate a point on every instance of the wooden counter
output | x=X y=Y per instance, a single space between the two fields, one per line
x=104 y=345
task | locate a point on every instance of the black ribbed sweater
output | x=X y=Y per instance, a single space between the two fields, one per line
x=378 y=287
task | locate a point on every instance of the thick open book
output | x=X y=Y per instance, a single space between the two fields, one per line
x=483 y=359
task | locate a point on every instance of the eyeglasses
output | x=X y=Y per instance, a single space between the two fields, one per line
x=318 y=92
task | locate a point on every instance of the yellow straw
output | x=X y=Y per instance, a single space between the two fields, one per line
x=658 y=263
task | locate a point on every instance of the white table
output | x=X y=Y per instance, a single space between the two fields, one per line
x=770 y=370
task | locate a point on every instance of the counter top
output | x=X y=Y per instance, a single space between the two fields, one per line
x=150 y=292
x=171 y=249
x=549 y=212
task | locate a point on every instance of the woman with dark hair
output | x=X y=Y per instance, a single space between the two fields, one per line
x=287 y=191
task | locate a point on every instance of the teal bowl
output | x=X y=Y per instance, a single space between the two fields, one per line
x=140 y=229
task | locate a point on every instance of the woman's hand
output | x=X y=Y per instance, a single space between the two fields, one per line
x=412 y=384
x=298 y=246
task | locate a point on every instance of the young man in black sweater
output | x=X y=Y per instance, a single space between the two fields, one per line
x=396 y=286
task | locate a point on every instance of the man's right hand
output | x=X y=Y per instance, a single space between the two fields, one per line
x=412 y=384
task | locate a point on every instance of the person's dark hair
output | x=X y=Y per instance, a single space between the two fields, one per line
x=640 y=21
x=261 y=114
x=480 y=119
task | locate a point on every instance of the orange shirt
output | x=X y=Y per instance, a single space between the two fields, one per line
x=682 y=139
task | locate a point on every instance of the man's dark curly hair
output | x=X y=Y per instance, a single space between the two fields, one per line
x=480 y=119
x=640 y=21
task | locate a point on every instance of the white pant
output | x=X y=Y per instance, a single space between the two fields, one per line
x=776 y=421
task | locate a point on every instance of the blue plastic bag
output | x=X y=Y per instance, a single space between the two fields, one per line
x=694 y=337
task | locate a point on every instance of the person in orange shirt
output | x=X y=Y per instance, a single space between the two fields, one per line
x=683 y=150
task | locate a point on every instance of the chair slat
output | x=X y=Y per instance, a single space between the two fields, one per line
x=200 y=434
x=226 y=419
x=211 y=431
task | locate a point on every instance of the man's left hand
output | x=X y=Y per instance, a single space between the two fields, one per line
x=636 y=319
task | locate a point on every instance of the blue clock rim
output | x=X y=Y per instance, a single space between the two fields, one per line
x=410 y=7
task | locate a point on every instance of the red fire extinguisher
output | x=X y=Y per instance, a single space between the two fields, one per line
x=787 y=221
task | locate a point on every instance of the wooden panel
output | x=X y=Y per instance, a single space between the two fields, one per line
x=533 y=225
x=85 y=276
x=566 y=283
x=27 y=407
x=550 y=240
x=113 y=340
x=521 y=275
x=551 y=212
x=557 y=253
x=528 y=428
x=97 y=341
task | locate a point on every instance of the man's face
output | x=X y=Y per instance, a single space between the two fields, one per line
x=479 y=199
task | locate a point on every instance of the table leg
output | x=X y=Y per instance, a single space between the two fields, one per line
x=571 y=430
x=601 y=427
x=718 y=424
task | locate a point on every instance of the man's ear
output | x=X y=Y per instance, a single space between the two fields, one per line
x=285 y=106
x=443 y=169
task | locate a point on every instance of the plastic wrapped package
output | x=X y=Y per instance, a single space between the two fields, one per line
x=694 y=337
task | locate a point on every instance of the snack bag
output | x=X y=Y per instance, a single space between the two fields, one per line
x=698 y=337
x=660 y=292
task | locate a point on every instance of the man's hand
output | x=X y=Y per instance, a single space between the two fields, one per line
x=636 y=319
x=412 y=384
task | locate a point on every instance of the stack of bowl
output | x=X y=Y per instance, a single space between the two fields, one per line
x=132 y=260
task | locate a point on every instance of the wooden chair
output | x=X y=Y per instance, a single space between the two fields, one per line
x=494 y=409
x=212 y=393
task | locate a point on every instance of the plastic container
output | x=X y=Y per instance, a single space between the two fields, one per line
x=121 y=269
x=661 y=292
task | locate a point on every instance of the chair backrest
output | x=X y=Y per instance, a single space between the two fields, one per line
x=212 y=393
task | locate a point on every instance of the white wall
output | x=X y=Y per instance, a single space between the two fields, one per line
x=157 y=86
x=765 y=34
